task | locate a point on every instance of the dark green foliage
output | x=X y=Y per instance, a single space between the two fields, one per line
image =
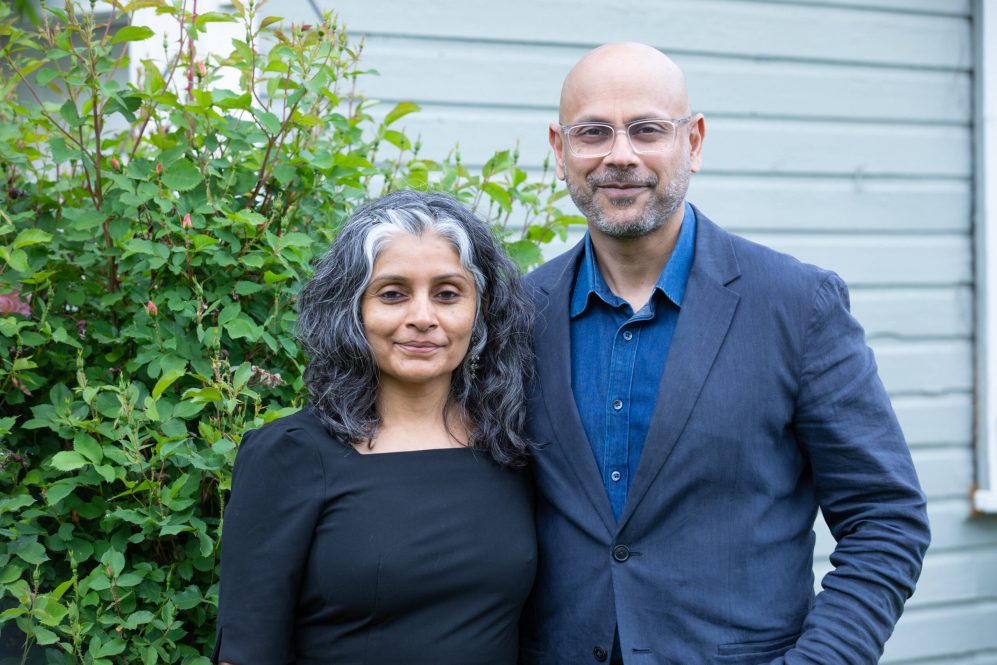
x=152 y=239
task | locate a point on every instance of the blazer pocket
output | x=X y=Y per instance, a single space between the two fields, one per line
x=755 y=652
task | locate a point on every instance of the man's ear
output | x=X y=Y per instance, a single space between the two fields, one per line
x=557 y=145
x=697 y=132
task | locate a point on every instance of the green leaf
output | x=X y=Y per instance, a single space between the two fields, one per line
x=524 y=253
x=44 y=635
x=166 y=381
x=67 y=460
x=56 y=492
x=401 y=109
x=29 y=237
x=243 y=328
x=110 y=648
x=87 y=446
x=132 y=33
x=269 y=121
x=31 y=551
x=106 y=472
x=16 y=259
x=182 y=175
x=498 y=194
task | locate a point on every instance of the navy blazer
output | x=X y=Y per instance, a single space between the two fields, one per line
x=770 y=407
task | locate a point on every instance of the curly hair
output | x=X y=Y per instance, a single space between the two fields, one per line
x=342 y=375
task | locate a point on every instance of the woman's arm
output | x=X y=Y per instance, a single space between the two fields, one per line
x=278 y=485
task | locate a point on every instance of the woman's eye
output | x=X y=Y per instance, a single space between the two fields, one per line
x=390 y=295
x=448 y=295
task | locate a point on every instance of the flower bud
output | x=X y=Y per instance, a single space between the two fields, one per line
x=159 y=169
x=201 y=69
x=186 y=223
x=151 y=308
x=115 y=164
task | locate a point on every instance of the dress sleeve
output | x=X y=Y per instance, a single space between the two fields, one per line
x=277 y=492
x=866 y=485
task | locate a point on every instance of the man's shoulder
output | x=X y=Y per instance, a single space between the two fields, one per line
x=762 y=266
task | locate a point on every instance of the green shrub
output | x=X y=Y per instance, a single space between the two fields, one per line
x=152 y=239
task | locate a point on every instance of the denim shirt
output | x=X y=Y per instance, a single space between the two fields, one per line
x=618 y=358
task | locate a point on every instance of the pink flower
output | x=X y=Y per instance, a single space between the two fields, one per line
x=159 y=169
x=11 y=303
x=151 y=308
x=186 y=223
x=202 y=70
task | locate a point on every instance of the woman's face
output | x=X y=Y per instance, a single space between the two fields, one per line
x=418 y=310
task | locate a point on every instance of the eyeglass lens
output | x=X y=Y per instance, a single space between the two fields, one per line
x=597 y=139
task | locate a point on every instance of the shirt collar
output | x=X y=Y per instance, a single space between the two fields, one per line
x=671 y=282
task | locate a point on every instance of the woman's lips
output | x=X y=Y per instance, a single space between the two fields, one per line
x=418 y=347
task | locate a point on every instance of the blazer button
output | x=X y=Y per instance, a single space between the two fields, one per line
x=599 y=653
x=621 y=553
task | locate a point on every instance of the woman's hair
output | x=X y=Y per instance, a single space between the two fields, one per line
x=342 y=375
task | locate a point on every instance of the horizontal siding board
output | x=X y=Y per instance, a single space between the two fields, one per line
x=944 y=7
x=834 y=34
x=942 y=420
x=929 y=632
x=770 y=147
x=952 y=528
x=914 y=313
x=945 y=473
x=925 y=367
x=882 y=260
x=946 y=578
x=477 y=74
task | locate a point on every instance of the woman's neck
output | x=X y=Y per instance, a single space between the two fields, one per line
x=414 y=417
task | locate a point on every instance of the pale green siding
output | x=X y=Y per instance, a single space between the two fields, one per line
x=837 y=130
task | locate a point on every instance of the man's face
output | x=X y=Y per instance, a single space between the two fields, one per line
x=627 y=194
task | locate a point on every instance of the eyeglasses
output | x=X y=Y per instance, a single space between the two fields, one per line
x=596 y=139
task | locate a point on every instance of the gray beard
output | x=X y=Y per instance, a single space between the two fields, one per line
x=657 y=211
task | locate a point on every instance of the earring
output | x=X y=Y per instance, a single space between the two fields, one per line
x=475 y=364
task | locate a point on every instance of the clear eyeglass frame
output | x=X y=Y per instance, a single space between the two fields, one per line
x=579 y=151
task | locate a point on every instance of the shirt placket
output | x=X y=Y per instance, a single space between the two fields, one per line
x=616 y=462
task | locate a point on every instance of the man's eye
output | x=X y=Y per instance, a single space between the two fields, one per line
x=649 y=130
x=592 y=132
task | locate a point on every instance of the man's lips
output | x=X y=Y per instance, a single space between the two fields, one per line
x=622 y=190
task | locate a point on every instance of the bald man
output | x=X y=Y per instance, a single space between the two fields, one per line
x=698 y=398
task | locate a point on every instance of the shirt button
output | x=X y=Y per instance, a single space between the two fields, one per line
x=617 y=404
x=616 y=475
x=627 y=335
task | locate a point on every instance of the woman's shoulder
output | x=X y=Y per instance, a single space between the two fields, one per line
x=300 y=436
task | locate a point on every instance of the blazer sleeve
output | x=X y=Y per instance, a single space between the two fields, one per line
x=277 y=492
x=866 y=486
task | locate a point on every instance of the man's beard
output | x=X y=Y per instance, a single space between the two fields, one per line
x=654 y=214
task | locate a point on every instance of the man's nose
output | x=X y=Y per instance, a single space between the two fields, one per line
x=622 y=153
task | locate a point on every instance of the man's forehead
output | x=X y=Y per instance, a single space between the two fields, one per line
x=625 y=81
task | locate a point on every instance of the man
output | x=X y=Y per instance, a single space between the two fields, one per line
x=713 y=395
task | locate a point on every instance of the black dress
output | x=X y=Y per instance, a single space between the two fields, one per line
x=330 y=556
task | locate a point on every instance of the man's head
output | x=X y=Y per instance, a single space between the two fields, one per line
x=639 y=185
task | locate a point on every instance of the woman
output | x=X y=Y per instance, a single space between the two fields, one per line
x=390 y=522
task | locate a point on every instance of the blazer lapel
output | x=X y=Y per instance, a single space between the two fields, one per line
x=706 y=314
x=552 y=335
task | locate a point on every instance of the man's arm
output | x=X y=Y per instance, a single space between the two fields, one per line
x=866 y=485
